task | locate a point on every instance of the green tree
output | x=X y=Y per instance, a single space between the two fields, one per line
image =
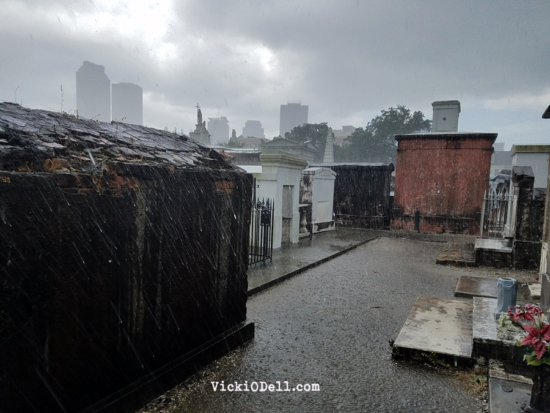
x=314 y=132
x=375 y=142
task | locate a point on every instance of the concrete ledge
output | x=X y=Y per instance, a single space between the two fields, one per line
x=141 y=392
x=491 y=343
x=300 y=270
x=496 y=370
x=496 y=245
x=418 y=236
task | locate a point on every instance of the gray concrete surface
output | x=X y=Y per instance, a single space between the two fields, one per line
x=331 y=326
x=507 y=396
x=485 y=327
x=438 y=326
x=293 y=259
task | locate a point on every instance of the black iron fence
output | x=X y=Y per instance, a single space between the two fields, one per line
x=363 y=221
x=261 y=232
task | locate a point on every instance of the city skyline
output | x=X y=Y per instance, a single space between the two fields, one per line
x=292 y=115
x=127 y=103
x=348 y=60
x=93 y=92
x=98 y=99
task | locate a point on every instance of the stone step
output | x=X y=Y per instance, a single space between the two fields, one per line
x=494 y=252
x=437 y=326
x=458 y=252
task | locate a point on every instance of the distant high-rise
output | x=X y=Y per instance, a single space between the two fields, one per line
x=128 y=103
x=253 y=129
x=341 y=134
x=93 y=92
x=292 y=115
x=218 y=129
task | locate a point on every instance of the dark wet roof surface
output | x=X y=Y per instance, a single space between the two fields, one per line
x=447 y=135
x=34 y=136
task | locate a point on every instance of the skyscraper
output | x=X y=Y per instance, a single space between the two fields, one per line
x=93 y=92
x=218 y=129
x=128 y=103
x=253 y=128
x=292 y=114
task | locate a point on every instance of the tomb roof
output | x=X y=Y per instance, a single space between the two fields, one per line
x=31 y=140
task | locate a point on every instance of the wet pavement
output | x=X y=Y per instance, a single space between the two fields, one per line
x=292 y=259
x=331 y=326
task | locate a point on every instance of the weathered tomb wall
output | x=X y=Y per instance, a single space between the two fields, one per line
x=443 y=175
x=361 y=193
x=99 y=288
x=110 y=272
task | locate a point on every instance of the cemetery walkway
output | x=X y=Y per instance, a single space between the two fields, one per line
x=331 y=326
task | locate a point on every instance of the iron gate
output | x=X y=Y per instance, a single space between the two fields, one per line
x=494 y=213
x=261 y=232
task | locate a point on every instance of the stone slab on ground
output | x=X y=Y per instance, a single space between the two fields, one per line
x=506 y=396
x=438 y=326
x=459 y=252
x=467 y=286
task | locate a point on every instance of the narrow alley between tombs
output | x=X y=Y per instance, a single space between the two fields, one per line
x=332 y=326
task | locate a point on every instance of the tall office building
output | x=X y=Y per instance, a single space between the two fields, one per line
x=253 y=129
x=218 y=129
x=127 y=103
x=292 y=114
x=93 y=92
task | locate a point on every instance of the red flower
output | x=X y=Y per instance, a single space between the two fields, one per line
x=516 y=313
x=535 y=338
x=533 y=310
x=528 y=313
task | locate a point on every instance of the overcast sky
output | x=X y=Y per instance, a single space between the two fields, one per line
x=346 y=59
